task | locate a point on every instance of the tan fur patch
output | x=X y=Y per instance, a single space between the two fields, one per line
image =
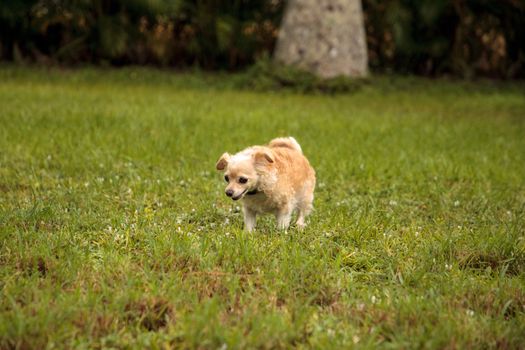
x=278 y=175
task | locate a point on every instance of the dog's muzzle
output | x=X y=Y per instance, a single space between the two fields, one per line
x=239 y=196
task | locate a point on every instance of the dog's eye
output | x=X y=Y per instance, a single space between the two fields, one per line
x=227 y=178
x=243 y=180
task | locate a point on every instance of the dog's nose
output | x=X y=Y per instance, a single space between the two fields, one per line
x=229 y=193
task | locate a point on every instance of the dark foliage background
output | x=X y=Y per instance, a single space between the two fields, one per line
x=466 y=38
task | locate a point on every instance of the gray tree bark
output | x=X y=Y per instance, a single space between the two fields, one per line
x=325 y=37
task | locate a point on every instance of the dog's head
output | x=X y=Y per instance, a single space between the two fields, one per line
x=242 y=171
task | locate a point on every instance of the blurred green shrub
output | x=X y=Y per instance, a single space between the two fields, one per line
x=465 y=38
x=210 y=33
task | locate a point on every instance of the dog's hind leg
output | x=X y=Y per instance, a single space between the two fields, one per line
x=300 y=220
x=283 y=218
x=304 y=208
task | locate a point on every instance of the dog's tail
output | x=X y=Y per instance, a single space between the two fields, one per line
x=288 y=142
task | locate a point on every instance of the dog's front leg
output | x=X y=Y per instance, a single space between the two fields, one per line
x=250 y=218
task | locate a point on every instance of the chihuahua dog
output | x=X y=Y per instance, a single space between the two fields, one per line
x=276 y=178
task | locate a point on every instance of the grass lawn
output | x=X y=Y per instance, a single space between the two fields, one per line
x=115 y=230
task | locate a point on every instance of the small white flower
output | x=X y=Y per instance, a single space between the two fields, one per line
x=355 y=339
x=392 y=203
x=456 y=203
x=470 y=312
x=373 y=299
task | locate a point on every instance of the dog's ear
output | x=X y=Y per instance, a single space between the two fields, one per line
x=223 y=161
x=263 y=158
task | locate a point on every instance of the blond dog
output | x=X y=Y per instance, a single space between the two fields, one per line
x=276 y=179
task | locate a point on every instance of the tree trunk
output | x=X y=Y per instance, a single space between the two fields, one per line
x=325 y=37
